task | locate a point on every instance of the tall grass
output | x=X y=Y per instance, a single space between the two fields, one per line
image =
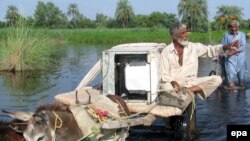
x=117 y=36
x=213 y=37
x=24 y=49
x=107 y=36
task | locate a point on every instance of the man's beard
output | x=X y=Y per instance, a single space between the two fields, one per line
x=182 y=42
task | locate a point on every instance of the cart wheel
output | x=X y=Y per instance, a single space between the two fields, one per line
x=183 y=127
x=213 y=72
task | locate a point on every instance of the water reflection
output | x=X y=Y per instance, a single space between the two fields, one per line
x=219 y=110
x=24 y=82
x=25 y=91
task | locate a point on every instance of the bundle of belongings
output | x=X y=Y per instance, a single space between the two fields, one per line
x=91 y=110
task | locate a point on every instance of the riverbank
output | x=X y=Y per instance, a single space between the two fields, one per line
x=118 y=36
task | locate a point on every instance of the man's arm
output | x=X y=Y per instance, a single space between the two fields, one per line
x=242 y=42
x=231 y=45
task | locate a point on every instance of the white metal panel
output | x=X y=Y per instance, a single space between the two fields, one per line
x=137 y=77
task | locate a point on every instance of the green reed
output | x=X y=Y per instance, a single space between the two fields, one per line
x=22 y=48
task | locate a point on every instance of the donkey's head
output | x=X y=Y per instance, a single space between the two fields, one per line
x=52 y=123
x=49 y=123
x=39 y=128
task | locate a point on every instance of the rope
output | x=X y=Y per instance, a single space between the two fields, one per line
x=193 y=103
x=93 y=113
x=56 y=120
x=56 y=126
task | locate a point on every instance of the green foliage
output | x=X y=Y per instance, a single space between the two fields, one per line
x=117 y=36
x=2 y=24
x=245 y=24
x=101 y=20
x=24 y=49
x=12 y=15
x=225 y=14
x=206 y=37
x=158 y=19
x=194 y=13
x=74 y=12
x=124 y=13
x=48 y=15
x=127 y=35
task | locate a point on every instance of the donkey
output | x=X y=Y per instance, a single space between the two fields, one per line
x=9 y=131
x=52 y=122
x=55 y=122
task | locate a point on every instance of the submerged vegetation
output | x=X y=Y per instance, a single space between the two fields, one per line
x=22 y=48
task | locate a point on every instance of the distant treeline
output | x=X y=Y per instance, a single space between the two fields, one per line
x=48 y=15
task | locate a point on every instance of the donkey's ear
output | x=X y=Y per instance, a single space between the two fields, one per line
x=18 y=127
x=24 y=116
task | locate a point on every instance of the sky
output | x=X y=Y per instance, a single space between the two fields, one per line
x=89 y=8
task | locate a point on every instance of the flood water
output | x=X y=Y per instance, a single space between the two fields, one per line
x=24 y=92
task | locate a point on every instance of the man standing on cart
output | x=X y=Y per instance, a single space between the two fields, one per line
x=235 y=57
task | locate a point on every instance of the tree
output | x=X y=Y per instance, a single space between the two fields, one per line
x=30 y=21
x=48 y=15
x=156 y=19
x=87 y=23
x=124 y=13
x=225 y=14
x=101 y=20
x=245 y=24
x=56 y=18
x=73 y=11
x=170 y=19
x=40 y=15
x=12 y=15
x=142 y=21
x=194 y=13
x=162 y=19
x=2 y=24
